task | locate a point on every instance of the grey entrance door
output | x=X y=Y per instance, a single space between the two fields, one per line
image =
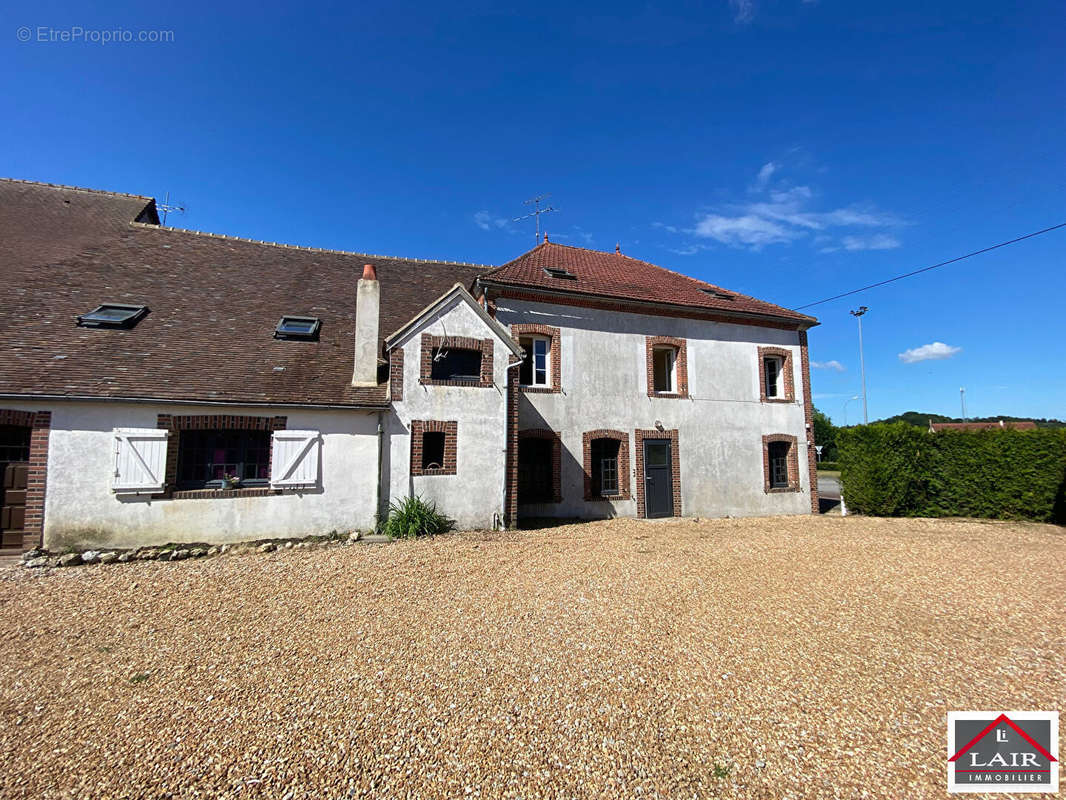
x=658 y=479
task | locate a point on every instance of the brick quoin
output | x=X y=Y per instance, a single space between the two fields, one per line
x=624 y=469
x=786 y=368
x=808 y=416
x=793 y=463
x=203 y=422
x=431 y=343
x=680 y=365
x=450 y=430
x=396 y=374
x=639 y=437
x=40 y=425
x=557 y=457
x=510 y=500
x=536 y=329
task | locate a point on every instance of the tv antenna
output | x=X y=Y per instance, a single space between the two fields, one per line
x=536 y=212
x=166 y=207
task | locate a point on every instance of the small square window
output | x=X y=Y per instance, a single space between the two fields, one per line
x=113 y=315
x=559 y=272
x=433 y=450
x=297 y=328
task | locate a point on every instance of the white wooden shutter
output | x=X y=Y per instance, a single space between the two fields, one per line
x=294 y=459
x=140 y=460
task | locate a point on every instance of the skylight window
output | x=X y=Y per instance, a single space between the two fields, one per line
x=113 y=315
x=297 y=328
x=719 y=294
x=559 y=272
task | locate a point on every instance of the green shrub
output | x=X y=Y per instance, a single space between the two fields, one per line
x=900 y=470
x=413 y=516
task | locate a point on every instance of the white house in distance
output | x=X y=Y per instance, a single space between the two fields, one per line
x=163 y=385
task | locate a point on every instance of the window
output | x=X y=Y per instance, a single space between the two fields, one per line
x=559 y=272
x=14 y=443
x=718 y=293
x=664 y=362
x=297 y=328
x=535 y=369
x=535 y=470
x=605 y=469
x=218 y=459
x=777 y=452
x=113 y=315
x=433 y=450
x=772 y=368
x=433 y=447
x=456 y=364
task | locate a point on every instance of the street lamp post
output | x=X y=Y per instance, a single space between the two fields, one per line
x=856 y=397
x=862 y=364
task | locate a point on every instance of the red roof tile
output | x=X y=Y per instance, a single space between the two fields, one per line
x=616 y=275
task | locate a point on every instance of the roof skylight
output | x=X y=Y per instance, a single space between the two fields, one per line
x=112 y=315
x=560 y=272
x=719 y=294
x=290 y=327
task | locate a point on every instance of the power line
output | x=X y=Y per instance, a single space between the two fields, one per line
x=934 y=266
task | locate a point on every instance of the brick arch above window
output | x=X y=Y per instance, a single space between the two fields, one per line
x=624 y=470
x=789 y=382
x=557 y=456
x=651 y=343
x=521 y=329
x=793 y=462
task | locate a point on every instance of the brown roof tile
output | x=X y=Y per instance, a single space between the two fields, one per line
x=213 y=300
x=616 y=275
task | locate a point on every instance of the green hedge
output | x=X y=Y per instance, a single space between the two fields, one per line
x=898 y=470
x=829 y=466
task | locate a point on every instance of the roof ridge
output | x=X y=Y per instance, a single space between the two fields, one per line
x=85 y=189
x=307 y=248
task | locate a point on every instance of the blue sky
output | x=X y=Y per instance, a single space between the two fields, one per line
x=782 y=148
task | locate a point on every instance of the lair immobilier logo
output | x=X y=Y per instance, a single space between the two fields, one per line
x=1010 y=751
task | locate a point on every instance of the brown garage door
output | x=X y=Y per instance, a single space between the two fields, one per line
x=14 y=470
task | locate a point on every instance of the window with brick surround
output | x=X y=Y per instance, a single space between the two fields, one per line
x=606 y=464
x=433 y=447
x=220 y=459
x=776 y=381
x=780 y=463
x=540 y=370
x=667 y=366
x=456 y=361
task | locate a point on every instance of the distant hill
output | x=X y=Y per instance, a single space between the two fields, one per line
x=921 y=419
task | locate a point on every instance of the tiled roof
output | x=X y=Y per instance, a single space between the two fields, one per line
x=619 y=276
x=936 y=427
x=213 y=300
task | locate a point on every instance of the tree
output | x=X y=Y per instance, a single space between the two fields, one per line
x=825 y=435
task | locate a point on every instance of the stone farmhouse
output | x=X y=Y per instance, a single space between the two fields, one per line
x=163 y=385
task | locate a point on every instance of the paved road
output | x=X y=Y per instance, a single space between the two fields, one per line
x=829 y=487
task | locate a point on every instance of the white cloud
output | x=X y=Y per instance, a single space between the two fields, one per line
x=928 y=352
x=487 y=222
x=784 y=213
x=743 y=11
x=833 y=365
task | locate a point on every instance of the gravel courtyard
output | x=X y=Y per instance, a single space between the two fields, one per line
x=795 y=657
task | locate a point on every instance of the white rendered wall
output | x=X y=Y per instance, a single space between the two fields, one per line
x=82 y=511
x=474 y=495
x=720 y=425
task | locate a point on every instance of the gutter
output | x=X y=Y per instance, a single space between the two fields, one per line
x=174 y=401
x=801 y=324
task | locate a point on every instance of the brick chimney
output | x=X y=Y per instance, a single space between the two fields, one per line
x=367 y=305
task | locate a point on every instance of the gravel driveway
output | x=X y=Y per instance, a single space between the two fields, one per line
x=802 y=657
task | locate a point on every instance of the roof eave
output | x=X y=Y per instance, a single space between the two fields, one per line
x=802 y=324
